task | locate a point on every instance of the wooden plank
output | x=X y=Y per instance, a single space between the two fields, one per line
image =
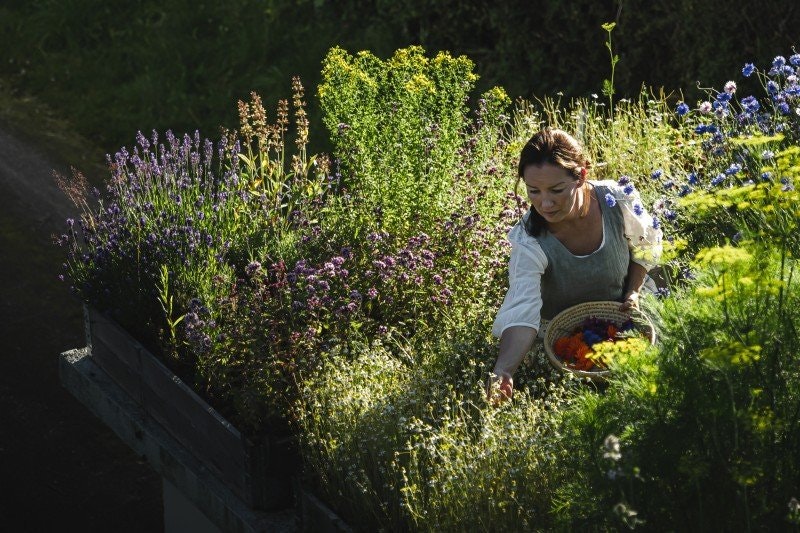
x=210 y=437
x=116 y=352
x=259 y=473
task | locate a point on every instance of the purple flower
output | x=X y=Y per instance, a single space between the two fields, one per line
x=772 y=87
x=733 y=169
x=656 y=174
x=750 y=104
x=252 y=268
x=624 y=180
x=748 y=70
x=372 y=293
x=337 y=261
x=610 y=200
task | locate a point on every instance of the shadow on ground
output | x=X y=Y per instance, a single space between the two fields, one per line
x=61 y=469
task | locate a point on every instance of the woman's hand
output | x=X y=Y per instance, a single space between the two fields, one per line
x=631 y=301
x=499 y=387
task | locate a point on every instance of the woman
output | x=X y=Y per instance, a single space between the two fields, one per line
x=581 y=241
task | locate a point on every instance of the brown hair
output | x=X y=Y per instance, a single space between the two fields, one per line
x=556 y=147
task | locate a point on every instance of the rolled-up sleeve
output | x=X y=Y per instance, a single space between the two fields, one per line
x=643 y=236
x=522 y=305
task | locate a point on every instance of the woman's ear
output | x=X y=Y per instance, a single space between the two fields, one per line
x=582 y=179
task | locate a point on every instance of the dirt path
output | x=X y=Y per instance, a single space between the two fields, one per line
x=60 y=468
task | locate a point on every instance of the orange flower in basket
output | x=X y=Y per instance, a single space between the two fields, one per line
x=582 y=350
x=561 y=347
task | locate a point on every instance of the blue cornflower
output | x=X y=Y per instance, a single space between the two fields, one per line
x=682 y=109
x=748 y=70
x=662 y=292
x=723 y=97
x=624 y=180
x=610 y=200
x=778 y=62
x=668 y=184
x=719 y=178
x=670 y=215
x=701 y=129
x=685 y=189
x=692 y=179
x=733 y=169
x=638 y=209
x=767 y=154
x=766 y=176
x=783 y=107
x=656 y=223
x=628 y=189
x=787 y=70
x=795 y=60
x=772 y=87
x=656 y=174
x=750 y=104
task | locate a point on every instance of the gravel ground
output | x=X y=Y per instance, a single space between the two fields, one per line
x=61 y=469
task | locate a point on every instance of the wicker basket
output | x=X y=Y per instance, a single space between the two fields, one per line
x=564 y=323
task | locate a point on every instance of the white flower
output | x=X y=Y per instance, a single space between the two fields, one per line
x=730 y=87
x=704 y=107
x=611 y=448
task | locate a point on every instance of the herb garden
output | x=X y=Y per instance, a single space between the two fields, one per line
x=347 y=298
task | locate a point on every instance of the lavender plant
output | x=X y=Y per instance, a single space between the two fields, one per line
x=179 y=223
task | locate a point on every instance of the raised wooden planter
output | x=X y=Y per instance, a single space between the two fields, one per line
x=257 y=471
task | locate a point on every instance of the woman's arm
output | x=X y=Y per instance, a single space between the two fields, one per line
x=514 y=344
x=633 y=282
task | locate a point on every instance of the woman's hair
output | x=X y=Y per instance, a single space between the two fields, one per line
x=556 y=147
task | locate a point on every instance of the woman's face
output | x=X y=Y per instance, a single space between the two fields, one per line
x=553 y=191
